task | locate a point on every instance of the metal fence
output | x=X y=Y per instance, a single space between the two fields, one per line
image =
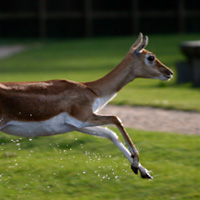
x=68 y=18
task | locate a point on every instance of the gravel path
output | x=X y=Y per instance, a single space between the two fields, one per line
x=144 y=118
x=155 y=119
x=8 y=50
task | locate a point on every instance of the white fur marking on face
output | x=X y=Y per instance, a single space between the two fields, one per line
x=147 y=62
x=61 y=123
x=163 y=78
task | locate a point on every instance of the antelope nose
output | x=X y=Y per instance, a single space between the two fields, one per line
x=169 y=72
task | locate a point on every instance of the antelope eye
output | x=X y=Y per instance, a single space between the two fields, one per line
x=151 y=58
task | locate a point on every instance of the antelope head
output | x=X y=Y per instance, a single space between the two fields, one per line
x=145 y=63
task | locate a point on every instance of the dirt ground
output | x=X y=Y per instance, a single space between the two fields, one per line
x=155 y=119
x=8 y=50
x=144 y=118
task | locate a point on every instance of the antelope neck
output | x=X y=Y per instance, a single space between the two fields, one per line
x=114 y=81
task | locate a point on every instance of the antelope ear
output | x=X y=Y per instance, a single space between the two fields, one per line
x=142 y=45
x=137 y=42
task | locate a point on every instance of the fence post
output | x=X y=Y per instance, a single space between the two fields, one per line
x=135 y=16
x=42 y=19
x=181 y=16
x=88 y=18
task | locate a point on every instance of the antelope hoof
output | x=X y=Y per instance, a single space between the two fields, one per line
x=144 y=172
x=147 y=175
x=135 y=169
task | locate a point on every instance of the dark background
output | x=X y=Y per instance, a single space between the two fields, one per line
x=86 y=18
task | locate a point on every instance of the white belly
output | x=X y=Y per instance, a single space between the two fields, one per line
x=61 y=123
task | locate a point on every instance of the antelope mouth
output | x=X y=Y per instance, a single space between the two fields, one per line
x=164 y=77
x=168 y=77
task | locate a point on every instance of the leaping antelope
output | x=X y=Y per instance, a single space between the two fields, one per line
x=53 y=107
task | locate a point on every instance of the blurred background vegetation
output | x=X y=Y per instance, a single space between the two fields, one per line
x=83 y=40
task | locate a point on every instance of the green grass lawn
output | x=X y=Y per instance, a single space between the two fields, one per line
x=76 y=166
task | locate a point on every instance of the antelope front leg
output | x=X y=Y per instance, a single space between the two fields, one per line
x=135 y=165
